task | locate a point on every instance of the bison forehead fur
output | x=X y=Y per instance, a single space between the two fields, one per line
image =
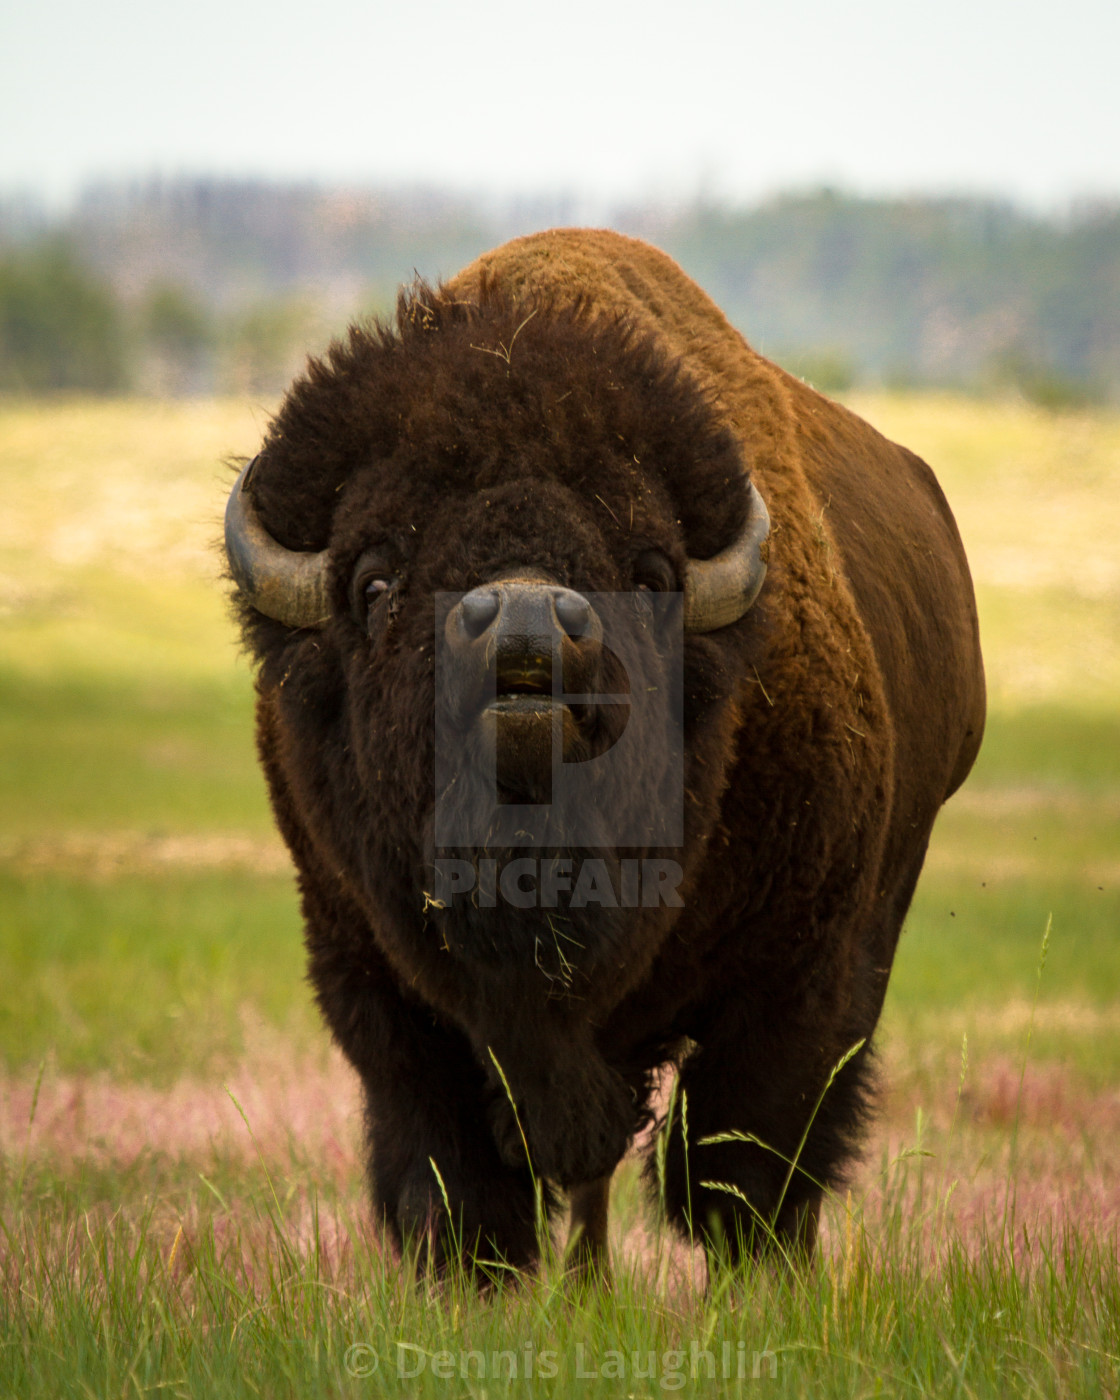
x=531 y=435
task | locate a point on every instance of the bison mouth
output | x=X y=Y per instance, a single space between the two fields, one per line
x=524 y=684
x=534 y=728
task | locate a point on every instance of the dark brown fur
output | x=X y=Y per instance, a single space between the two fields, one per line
x=566 y=403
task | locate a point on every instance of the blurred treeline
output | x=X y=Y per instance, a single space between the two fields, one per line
x=204 y=286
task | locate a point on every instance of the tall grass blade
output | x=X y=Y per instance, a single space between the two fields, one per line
x=277 y=1213
x=540 y=1220
x=1011 y=1195
x=836 y=1069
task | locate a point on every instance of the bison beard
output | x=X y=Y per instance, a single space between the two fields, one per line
x=424 y=554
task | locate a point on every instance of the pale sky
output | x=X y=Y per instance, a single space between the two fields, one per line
x=606 y=98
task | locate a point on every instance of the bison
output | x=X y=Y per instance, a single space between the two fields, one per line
x=609 y=682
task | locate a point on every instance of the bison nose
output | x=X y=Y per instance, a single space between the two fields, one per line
x=573 y=612
x=478 y=609
x=526 y=614
x=518 y=628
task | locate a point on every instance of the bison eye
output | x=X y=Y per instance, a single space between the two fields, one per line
x=374 y=581
x=654 y=571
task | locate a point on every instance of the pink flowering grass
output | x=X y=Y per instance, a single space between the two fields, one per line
x=215 y=1239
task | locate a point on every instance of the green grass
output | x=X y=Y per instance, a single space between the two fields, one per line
x=1050 y=746
x=147 y=976
x=954 y=956
x=156 y=755
x=287 y=1293
x=150 y=957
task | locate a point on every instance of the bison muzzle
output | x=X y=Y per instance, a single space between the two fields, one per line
x=609 y=683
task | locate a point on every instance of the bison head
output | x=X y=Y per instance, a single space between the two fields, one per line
x=494 y=563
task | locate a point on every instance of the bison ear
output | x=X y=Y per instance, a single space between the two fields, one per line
x=285 y=584
x=720 y=590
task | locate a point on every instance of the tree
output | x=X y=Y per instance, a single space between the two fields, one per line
x=178 y=339
x=60 y=327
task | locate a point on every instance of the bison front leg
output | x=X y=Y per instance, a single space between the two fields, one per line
x=437 y=1178
x=753 y=1144
x=587 y=1254
x=438 y=1181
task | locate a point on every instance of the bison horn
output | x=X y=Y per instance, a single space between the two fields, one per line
x=719 y=591
x=286 y=584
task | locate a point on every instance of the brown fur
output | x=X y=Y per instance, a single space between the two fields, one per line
x=565 y=403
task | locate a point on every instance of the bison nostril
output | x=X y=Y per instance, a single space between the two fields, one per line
x=479 y=609
x=573 y=613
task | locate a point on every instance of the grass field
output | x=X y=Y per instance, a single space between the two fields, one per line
x=181 y=1205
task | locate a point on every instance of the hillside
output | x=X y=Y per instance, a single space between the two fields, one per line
x=219 y=284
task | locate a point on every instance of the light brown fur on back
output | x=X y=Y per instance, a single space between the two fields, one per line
x=817 y=466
